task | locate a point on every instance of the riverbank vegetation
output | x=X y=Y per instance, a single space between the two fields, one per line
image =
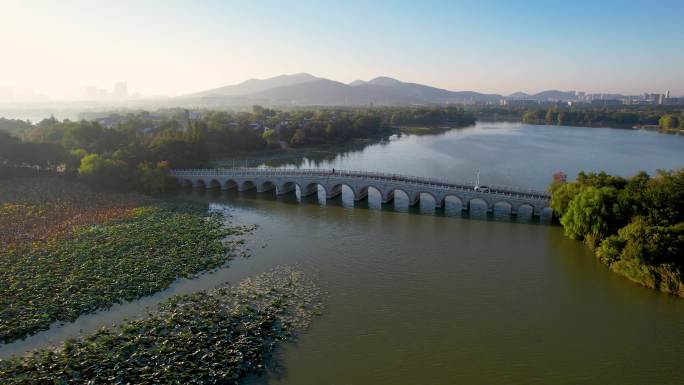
x=134 y=151
x=635 y=225
x=216 y=336
x=659 y=118
x=67 y=250
x=672 y=122
x=594 y=117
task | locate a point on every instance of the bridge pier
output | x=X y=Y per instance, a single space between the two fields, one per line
x=308 y=190
x=388 y=197
x=265 y=187
x=361 y=195
x=229 y=185
x=246 y=187
x=414 y=199
x=546 y=215
x=332 y=192
x=286 y=189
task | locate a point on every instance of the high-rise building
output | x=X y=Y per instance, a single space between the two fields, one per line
x=667 y=94
x=121 y=90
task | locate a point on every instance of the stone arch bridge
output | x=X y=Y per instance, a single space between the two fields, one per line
x=285 y=181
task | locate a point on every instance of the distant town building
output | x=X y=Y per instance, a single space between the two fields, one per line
x=520 y=102
x=121 y=90
x=674 y=101
x=606 y=102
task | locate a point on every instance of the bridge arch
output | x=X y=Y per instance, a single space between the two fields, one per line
x=430 y=197
x=478 y=206
x=309 y=188
x=370 y=193
x=230 y=184
x=525 y=212
x=413 y=198
x=185 y=183
x=336 y=189
x=453 y=200
x=366 y=190
x=214 y=185
x=200 y=183
x=502 y=208
x=247 y=185
x=265 y=186
x=286 y=187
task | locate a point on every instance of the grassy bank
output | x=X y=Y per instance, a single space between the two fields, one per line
x=216 y=336
x=68 y=250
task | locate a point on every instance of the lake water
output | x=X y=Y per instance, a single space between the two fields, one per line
x=511 y=154
x=417 y=298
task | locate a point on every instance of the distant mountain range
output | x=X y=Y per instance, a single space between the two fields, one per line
x=306 y=89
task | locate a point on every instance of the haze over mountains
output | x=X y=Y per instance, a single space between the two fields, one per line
x=306 y=89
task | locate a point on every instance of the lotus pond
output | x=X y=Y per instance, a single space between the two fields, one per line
x=36 y=209
x=88 y=267
x=215 y=336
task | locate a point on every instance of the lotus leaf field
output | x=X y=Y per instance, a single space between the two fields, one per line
x=39 y=208
x=210 y=337
x=128 y=249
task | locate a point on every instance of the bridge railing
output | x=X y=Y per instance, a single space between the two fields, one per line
x=415 y=180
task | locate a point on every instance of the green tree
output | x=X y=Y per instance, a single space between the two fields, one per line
x=589 y=214
x=83 y=135
x=270 y=136
x=652 y=244
x=664 y=197
x=73 y=160
x=299 y=138
x=668 y=122
x=152 y=178
x=561 y=196
x=102 y=171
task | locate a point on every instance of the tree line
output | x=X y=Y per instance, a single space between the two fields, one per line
x=591 y=117
x=635 y=225
x=265 y=128
x=138 y=147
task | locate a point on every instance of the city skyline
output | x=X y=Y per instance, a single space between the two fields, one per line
x=497 y=47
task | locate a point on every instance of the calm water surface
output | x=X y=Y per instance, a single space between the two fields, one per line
x=512 y=153
x=416 y=298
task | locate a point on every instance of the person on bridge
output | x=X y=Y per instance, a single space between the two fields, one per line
x=333 y=171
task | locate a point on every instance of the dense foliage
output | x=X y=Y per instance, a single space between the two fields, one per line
x=138 y=147
x=592 y=117
x=94 y=266
x=635 y=225
x=14 y=126
x=672 y=121
x=212 y=337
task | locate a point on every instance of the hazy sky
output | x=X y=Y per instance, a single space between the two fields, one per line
x=175 y=47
